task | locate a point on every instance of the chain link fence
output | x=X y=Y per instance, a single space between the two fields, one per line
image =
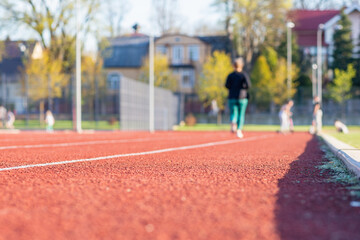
x=108 y=103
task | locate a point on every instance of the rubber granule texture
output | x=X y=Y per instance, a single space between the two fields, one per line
x=267 y=188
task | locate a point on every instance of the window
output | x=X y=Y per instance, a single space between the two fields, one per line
x=161 y=49
x=193 y=52
x=113 y=81
x=177 y=54
x=187 y=78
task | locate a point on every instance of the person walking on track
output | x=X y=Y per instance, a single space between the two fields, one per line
x=238 y=84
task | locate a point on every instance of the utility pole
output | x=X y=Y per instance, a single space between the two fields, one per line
x=319 y=60
x=78 y=70
x=151 y=86
x=313 y=80
x=289 y=26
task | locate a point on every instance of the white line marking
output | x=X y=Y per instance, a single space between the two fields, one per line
x=84 y=143
x=76 y=143
x=211 y=144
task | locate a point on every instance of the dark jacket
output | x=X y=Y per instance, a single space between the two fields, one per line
x=236 y=82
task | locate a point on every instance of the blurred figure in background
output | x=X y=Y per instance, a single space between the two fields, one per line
x=341 y=127
x=2 y=116
x=50 y=121
x=317 y=117
x=285 y=115
x=238 y=84
x=10 y=119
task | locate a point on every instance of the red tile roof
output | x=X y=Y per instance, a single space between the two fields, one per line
x=307 y=23
x=306 y=20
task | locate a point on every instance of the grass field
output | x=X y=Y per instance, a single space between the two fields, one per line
x=353 y=138
x=67 y=124
x=226 y=127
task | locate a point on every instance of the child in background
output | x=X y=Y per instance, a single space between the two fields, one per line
x=2 y=116
x=341 y=127
x=285 y=116
x=10 y=120
x=50 y=121
x=317 y=117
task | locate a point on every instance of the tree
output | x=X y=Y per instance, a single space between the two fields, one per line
x=211 y=85
x=53 y=23
x=46 y=79
x=271 y=57
x=343 y=47
x=340 y=88
x=295 y=50
x=356 y=80
x=254 y=22
x=93 y=83
x=280 y=92
x=269 y=78
x=115 y=11
x=165 y=15
x=261 y=78
x=163 y=74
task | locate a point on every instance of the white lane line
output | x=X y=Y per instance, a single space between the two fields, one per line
x=77 y=143
x=84 y=143
x=211 y=144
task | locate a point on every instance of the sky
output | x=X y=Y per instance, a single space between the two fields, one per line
x=192 y=12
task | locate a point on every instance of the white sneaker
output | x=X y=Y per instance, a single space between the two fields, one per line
x=239 y=134
x=233 y=128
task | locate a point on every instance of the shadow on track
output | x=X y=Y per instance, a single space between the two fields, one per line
x=310 y=207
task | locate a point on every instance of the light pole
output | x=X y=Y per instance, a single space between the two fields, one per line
x=289 y=26
x=319 y=61
x=24 y=50
x=151 y=86
x=78 y=70
x=313 y=80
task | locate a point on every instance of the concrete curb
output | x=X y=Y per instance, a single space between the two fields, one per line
x=348 y=154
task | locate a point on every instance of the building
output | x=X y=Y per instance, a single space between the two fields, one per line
x=307 y=23
x=11 y=65
x=186 y=56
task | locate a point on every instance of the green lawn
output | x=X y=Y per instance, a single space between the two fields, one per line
x=226 y=127
x=352 y=138
x=67 y=124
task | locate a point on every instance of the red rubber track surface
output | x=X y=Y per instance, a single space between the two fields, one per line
x=265 y=188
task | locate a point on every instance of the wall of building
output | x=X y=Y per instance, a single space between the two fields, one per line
x=133 y=73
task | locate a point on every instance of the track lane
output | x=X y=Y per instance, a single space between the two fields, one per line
x=158 y=151
x=221 y=192
x=18 y=157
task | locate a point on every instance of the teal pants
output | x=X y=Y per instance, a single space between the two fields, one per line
x=237 y=111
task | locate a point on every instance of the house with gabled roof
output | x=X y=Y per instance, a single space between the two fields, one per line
x=186 y=55
x=11 y=65
x=307 y=23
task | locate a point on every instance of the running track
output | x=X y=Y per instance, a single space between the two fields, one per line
x=169 y=185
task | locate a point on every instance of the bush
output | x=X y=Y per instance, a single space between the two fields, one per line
x=112 y=120
x=190 y=120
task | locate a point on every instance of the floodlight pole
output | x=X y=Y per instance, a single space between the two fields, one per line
x=289 y=26
x=313 y=80
x=78 y=70
x=151 y=86
x=319 y=61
